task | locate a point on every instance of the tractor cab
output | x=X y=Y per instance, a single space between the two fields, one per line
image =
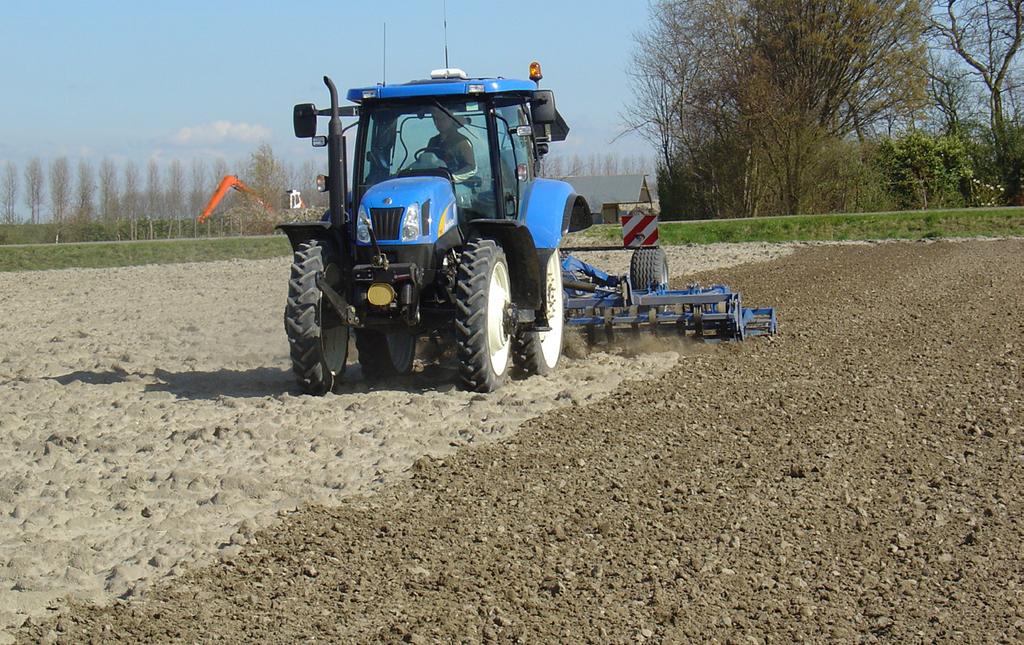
x=480 y=138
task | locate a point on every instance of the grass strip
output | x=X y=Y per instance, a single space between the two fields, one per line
x=118 y=254
x=909 y=225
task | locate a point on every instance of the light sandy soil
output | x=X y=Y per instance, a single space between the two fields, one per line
x=149 y=420
x=858 y=478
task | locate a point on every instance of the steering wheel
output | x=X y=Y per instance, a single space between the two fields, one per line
x=431 y=149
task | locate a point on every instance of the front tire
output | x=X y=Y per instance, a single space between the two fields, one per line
x=382 y=355
x=483 y=329
x=317 y=338
x=537 y=352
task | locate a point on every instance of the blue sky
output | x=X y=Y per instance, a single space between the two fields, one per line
x=184 y=78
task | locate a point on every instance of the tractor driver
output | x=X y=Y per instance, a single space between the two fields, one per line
x=451 y=146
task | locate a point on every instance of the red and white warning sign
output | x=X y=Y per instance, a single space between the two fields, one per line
x=639 y=229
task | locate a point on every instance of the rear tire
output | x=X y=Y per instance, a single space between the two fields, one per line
x=483 y=339
x=537 y=352
x=316 y=336
x=648 y=268
x=382 y=355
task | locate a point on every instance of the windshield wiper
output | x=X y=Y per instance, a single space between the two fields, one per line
x=454 y=118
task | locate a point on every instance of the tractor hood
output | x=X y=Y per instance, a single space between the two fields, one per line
x=389 y=203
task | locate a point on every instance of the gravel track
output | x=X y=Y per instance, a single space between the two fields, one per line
x=856 y=478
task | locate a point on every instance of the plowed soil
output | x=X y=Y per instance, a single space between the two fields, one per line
x=857 y=478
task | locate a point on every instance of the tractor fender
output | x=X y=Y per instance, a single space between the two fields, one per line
x=522 y=256
x=299 y=232
x=551 y=208
x=577 y=216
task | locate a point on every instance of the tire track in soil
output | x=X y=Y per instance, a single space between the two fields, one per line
x=858 y=477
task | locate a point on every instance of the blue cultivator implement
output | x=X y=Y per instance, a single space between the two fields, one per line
x=605 y=305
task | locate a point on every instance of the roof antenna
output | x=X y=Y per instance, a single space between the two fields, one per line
x=446 y=34
x=385 y=73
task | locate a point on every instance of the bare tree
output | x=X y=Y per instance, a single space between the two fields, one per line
x=740 y=99
x=60 y=189
x=305 y=180
x=154 y=194
x=575 y=166
x=986 y=35
x=175 y=196
x=109 y=194
x=551 y=166
x=220 y=168
x=34 y=189
x=951 y=99
x=666 y=69
x=199 y=187
x=130 y=199
x=9 y=192
x=85 y=206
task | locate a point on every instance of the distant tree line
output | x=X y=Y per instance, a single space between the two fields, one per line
x=128 y=200
x=145 y=201
x=596 y=164
x=766 y=107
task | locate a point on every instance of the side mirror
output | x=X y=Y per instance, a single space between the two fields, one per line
x=304 y=120
x=543 y=107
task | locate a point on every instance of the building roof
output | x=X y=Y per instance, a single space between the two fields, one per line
x=611 y=189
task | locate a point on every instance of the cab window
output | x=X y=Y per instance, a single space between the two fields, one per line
x=514 y=158
x=423 y=137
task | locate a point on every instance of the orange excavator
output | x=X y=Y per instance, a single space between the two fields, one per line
x=294 y=198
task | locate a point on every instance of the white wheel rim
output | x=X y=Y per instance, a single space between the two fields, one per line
x=551 y=341
x=498 y=299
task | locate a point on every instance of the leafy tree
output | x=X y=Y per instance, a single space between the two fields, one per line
x=925 y=171
x=268 y=178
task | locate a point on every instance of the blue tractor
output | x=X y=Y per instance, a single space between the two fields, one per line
x=445 y=231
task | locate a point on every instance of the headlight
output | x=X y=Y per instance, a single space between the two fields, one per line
x=363 y=225
x=411 y=223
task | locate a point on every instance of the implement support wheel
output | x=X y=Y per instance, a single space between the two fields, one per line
x=648 y=268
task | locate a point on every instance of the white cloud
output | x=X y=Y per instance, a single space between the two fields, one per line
x=220 y=132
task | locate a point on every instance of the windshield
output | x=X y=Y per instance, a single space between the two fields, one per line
x=432 y=137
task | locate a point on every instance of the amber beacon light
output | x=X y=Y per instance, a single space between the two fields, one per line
x=535 y=74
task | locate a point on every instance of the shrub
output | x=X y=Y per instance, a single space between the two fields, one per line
x=923 y=171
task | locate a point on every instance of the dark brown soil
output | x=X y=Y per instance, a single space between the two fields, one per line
x=857 y=478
